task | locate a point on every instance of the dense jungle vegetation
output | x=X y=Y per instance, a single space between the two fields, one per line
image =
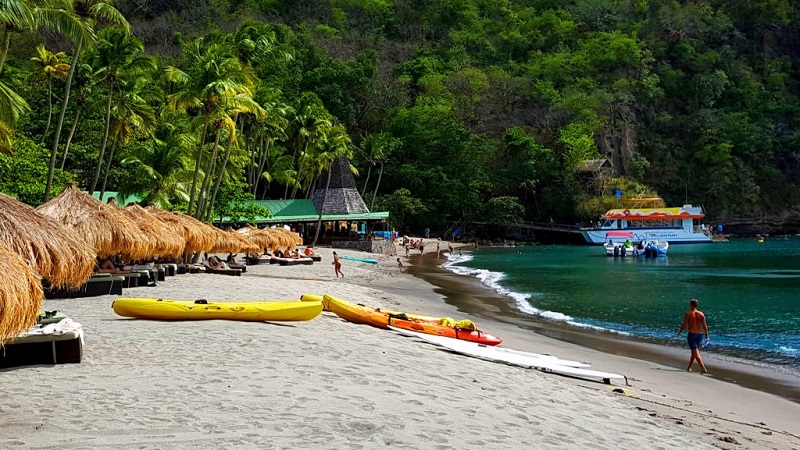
x=448 y=109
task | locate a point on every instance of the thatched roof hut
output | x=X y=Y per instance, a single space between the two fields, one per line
x=167 y=241
x=198 y=236
x=50 y=249
x=107 y=229
x=21 y=294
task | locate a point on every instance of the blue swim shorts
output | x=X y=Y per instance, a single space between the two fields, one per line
x=695 y=340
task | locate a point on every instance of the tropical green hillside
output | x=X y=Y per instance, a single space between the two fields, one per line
x=449 y=110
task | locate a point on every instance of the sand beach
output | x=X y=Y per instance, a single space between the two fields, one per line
x=332 y=384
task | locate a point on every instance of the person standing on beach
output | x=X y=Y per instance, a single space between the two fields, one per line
x=400 y=264
x=695 y=321
x=337 y=265
x=427 y=233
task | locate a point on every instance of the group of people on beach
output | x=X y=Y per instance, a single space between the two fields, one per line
x=409 y=244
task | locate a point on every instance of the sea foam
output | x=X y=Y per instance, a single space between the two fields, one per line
x=492 y=280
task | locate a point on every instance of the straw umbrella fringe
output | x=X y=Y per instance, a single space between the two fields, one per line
x=263 y=240
x=50 y=249
x=21 y=294
x=166 y=241
x=108 y=230
x=198 y=236
x=231 y=242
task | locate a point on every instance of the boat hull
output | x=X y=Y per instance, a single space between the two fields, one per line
x=597 y=236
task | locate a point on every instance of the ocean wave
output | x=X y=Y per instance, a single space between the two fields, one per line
x=492 y=280
x=791 y=351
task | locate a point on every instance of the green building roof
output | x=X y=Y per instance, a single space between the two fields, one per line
x=303 y=210
x=282 y=211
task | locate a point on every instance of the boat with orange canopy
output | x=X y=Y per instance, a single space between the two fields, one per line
x=648 y=220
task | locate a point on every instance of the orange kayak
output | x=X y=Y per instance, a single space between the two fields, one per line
x=422 y=324
x=447 y=331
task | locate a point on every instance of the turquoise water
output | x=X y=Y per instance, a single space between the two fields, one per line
x=749 y=291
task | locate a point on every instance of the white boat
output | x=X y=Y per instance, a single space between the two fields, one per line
x=624 y=243
x=678 y=225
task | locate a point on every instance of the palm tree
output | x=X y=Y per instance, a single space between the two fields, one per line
x=310 y=120
x=12 y=106
x=213 y=83
x=14 y=14
x=275 y=165
x=389 y=145
x=244 y=104
x=333 y=143
x=265 y=131
x=90 y=14
x=49 y=65
x=162 y=164
x=83 y=83
x=55 y=15
x=130 y=115
x=371 y=149
x=118 y=56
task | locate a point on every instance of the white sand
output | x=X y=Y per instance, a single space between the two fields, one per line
x=331 y=384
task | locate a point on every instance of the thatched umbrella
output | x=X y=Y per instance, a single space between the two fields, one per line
x=290 y=236
x=263 y=240
x=21 y=294
x=232 y=242
x=107 y=229
x=168 y=243
x=53 y=251
x=198 y=236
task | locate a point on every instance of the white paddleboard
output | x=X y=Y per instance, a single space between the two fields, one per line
x=545 y=363
x=510 y=356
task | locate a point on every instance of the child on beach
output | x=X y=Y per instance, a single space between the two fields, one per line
x=400 y=264
x=337 y=265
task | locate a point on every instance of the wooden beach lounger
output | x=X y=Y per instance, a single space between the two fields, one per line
x=232 y=272
x=293 y=261
x=31 y=349
x=96 y=286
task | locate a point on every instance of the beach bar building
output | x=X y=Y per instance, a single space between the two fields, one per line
x=346 y=220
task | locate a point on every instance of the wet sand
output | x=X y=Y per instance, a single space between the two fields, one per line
x=468 y=295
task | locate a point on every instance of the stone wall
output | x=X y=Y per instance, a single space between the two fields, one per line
x=384 y=246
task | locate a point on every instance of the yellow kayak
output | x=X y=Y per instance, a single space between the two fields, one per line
x=160 y=309
x=314 y=298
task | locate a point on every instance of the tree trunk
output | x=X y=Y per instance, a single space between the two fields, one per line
x=197 y=160
x=299 y=169
x=364 y=190
x=201 y=198
x=322 y=207
x=54 y=150
x=71 y=133
x=375 y=194
x=218 y=181
x=105 y=141
x=108 y=168
x=6 y=44
x=311 y=189
x=264 y=151
x=49 y=108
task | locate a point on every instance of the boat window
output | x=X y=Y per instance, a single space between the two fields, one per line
x=654 y=223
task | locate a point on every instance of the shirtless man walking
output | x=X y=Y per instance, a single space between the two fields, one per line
x=696 y=322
